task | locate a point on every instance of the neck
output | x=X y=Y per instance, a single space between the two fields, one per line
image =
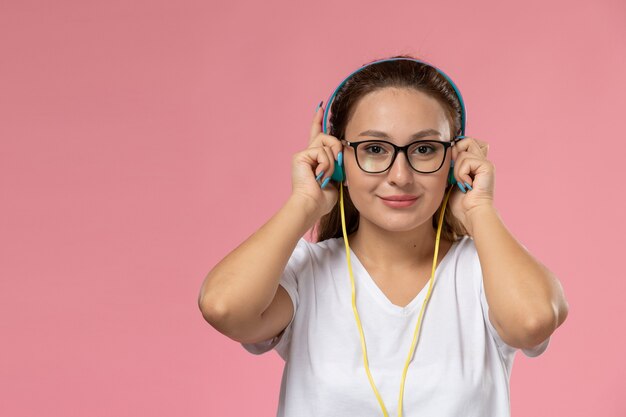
x=395 y=250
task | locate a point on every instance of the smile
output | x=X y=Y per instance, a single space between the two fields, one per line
x=399 y=201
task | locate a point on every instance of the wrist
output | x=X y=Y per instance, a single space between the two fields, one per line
x=305 y=206
x=478 y=212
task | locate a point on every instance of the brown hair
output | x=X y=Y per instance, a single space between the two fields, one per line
x=402 y=74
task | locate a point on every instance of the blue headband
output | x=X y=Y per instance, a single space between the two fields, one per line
x=456 y=90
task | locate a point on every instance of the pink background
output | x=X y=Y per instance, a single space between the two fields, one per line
x=143 y=141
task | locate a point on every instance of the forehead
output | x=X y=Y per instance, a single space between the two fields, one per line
x=399 y=112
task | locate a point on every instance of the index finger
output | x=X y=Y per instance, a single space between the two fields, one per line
x=484 y=146
x=476 y=146
x=316 y=127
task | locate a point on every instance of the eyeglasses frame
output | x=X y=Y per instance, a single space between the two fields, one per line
x=403 y=149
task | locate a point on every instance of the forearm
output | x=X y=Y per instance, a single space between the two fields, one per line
x=244 y=283
x=524 y=297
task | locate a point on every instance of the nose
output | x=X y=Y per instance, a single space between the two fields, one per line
x=400 y=172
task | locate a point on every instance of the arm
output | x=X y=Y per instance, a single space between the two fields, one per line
x=241 y=296
x=241 y=287
x=526 y=301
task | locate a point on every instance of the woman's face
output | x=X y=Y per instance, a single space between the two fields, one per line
x=398 y=113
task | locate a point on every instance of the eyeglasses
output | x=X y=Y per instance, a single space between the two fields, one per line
x=425 y=156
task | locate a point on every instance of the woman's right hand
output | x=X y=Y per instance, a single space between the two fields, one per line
x=321 y=154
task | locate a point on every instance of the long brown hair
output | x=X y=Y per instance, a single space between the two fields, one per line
x=402 y=74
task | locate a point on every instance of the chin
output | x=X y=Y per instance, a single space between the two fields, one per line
x=397 y=224
x=393 y=219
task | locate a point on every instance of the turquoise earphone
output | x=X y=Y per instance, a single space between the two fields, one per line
x=338 y=174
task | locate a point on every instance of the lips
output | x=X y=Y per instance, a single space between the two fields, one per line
x=403 y=197
x=399 y=201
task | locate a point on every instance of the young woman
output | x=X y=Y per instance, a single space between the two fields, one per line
x=395 y=126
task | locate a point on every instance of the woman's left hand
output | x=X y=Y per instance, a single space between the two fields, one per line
x=471 y=166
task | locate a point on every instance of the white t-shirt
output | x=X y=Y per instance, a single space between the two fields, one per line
x=461 y=366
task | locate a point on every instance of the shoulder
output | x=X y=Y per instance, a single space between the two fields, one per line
x=316 y=252
x=320 y=250
x=466 y=257
x=317 y=247
x=465 y=247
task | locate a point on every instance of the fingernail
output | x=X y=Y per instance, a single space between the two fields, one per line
x=318 y=106
x=319 y=176
x=460 y=186
x=468 y=186
x=340 y=158
x=325 y=182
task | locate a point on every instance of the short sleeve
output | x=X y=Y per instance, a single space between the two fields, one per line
x=532 y=352
x=298 y=260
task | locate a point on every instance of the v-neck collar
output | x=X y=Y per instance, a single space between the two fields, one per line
x=359 y=271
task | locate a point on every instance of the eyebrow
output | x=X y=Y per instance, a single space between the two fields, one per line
x=414 y=136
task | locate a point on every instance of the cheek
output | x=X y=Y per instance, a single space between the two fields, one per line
x=361 y=187
x=359 y=181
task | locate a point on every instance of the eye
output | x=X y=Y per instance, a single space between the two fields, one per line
x=424 y=149
x=376 y=148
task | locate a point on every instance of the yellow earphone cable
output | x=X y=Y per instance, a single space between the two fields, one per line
x=419 y=319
